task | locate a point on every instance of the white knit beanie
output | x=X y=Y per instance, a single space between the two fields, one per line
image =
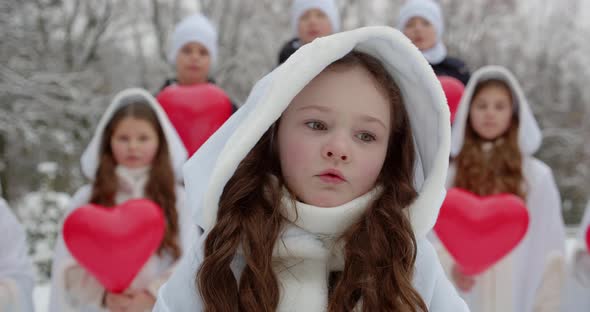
x=327 y=6
x=431 y=11
x=194 y=28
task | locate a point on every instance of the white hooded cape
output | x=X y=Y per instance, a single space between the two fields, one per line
x=576 y=292
x=156 y=266
x=16 y=270
x=207 y=172
x=529 y=278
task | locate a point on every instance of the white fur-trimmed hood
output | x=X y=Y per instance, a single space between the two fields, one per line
x=91 y=156
x=208 y=170
x=529 y=134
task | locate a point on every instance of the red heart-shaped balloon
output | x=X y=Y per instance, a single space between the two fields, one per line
x=196 y=111
x=114 y=243
x=453 y=89
x=588 y=238
x=478 y=231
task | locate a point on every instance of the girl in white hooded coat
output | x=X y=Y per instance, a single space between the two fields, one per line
x=16 y=271
x=494 y=136
x=576 y=292
x=134 y=153
x=318 y=193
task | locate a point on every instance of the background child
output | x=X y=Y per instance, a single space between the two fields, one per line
x=16 y=271
x=422 y=22
x=310 y=19
x=193 y=51
x=327 y=207
x=494 y=137
x=576 y=292
x=134 y=153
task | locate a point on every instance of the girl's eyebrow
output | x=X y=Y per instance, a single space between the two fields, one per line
x=316 y=107
x=371 y=119
x=364 y=118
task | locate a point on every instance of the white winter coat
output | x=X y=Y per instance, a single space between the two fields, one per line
x=207 y=172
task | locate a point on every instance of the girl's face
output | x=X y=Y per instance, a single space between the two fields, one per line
x=192 y=64
x=313 y=23
x=134 y=143
x=491 y=112
x=421 y=32
x=333 y=138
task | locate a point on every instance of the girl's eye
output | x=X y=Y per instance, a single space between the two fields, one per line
x=366 y=137
x=123 y=138
x=501 y=106
x=480 y=105
x=316 y=125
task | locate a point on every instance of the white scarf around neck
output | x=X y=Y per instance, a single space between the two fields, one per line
x=309 y=250
x=132 y=182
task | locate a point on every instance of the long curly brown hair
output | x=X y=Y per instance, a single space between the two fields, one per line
x=380 y=248
x=160 y=187
x=493 y=171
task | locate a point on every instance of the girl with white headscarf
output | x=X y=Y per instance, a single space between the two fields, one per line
x=494 y=137
x=134 y=153
x=317 y=190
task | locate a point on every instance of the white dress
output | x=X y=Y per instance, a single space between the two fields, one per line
x=576 y=292
x=16 y=271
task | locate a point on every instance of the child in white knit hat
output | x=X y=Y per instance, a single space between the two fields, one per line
x=310 y=19
x=193 y=50
x=422 y=22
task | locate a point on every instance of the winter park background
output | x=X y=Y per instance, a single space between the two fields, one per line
x=62 y=60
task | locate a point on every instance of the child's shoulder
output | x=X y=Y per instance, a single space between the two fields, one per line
x=83 y=193
x=536 y=169
x=426 y=255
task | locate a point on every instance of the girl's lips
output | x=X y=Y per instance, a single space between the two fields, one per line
x=332 y=176
x=132 y=158
x=331 y=179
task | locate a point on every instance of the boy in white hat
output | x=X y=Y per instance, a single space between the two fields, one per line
x=193 y=50
x=310 y=19
x=422 y=22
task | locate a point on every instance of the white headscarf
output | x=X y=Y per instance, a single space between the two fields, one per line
x=91 y=157
x=431 y=11
x=529 y=134
x=208 y=170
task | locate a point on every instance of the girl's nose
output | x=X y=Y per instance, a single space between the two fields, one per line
x=337 y=148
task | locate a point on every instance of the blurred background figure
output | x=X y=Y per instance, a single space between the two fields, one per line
x=422 y=21
x=310 y=19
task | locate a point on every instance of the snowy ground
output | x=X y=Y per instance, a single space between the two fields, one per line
x=41 y=293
